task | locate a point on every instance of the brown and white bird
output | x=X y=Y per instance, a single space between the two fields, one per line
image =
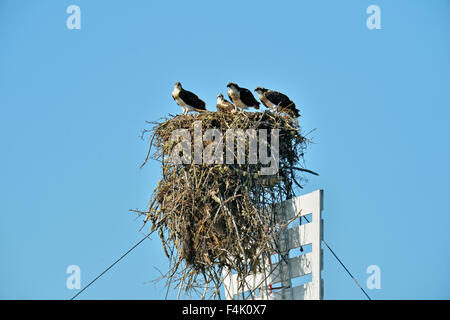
x=224 y=105
x=241 y=97
x=277 y=101
x=187 y=100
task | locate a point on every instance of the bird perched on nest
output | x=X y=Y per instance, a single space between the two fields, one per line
x=276 y=100
x=224 y=105
x=241 y=97
x=187 y=100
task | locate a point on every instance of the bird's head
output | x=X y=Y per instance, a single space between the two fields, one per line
x=232 y=85
x=220 y=96
x=260 y=90
x=178 y=85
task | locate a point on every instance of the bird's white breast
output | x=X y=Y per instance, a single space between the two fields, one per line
x=267 y=103
x=176 y=95
x=235 y=97
x=233 y=92
x=264 y=100
x=180 y=102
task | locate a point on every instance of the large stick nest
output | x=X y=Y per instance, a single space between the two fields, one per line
x=217 y=217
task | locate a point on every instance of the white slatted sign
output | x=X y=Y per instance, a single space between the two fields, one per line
x=280 y=274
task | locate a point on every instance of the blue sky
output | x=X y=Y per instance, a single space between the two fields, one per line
x=73 y=104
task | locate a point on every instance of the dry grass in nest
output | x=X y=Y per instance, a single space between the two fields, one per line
x=217 y=217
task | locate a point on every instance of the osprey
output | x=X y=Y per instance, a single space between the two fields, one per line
x=187 y=100
x=276 y=100
x=224 y=105
x=241 y=97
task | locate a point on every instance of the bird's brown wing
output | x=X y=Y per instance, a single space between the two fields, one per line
x=281 y=100
x=277 y=98
x=247 y=98
x=191 y=99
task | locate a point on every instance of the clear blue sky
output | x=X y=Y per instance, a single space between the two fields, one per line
x=73 y=104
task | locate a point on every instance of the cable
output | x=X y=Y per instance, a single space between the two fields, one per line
x=356 y=281
x=132 y=248
x=146 y=236
x=342 y=264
